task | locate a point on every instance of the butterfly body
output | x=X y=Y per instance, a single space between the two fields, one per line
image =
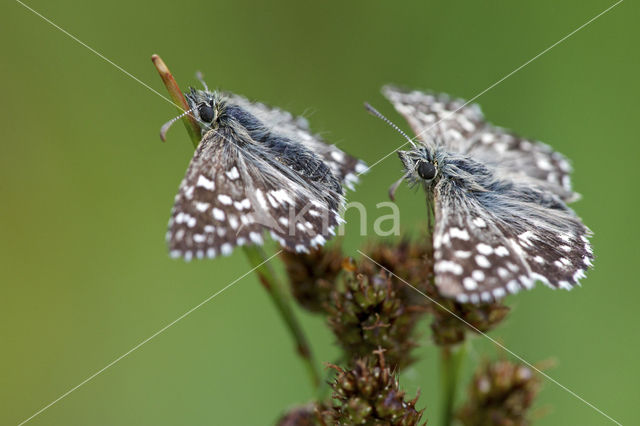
x=499 y=202
x=256 y=168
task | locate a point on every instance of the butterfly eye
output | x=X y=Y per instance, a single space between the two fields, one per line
x=206 y=112
x=426 y=170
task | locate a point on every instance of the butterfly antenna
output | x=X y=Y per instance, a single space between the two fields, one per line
x=165 y=127
x=200 y=78
x=394 y=187
x=376 y=113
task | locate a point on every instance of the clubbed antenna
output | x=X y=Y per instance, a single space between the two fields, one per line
x=200 y=78
x=376 y=113
x=165 y=127
x=393 y=188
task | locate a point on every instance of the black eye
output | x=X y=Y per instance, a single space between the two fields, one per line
x=427 y=171
x=206 y=113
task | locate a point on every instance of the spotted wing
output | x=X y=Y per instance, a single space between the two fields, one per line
x=461 y=127
x=234 y=190
x=490 y=243
x=344 y=166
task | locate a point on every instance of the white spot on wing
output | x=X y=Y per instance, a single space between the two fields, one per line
x=448 y=266
x=218 y=214
x=226 y=249
x=255 y=237
x=201 y=207
x=544 y=164
x=469 y=283
x=282 y=196
x=361 y=168
x=525 y=237
x=512 y=287
x=479 y=222
x=240 y=205
x=499 y=293
x=477 y=275
x=482 y=261
x=462 y=254
x=462 y=298
x=337 y=155
x=205 y=183
x=261 y=200
x=318 y=240
x=501 y=251
x=484 y=249
x=233 y=222
x=502 y=272
x=225 y=199
x=188 y=192
x=233 y=173
x=459 y=233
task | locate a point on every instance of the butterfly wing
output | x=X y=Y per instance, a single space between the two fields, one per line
x=492 y=242
x=461 y=127
x=344 y=166
x=436 y=118
x=234 y=189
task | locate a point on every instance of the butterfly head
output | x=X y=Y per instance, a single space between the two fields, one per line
x=207 y=108
x=420 y=165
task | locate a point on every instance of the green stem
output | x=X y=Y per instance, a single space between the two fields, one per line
x=265 y=272
x=255 y=254
x=451 y=359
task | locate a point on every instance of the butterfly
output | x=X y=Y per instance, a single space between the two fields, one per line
x=499 y=201
x=256 y=168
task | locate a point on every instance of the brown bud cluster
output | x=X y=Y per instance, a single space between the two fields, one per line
x=367 y=312
x=406 y=260
x=369 y=394
x=447 y=325
x=307 y=415
x=413 y=263
x=312 y=276
x=500 y=394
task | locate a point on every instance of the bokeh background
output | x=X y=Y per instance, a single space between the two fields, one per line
x=86 y=188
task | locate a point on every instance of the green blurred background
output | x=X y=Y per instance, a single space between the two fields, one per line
x=86 y=188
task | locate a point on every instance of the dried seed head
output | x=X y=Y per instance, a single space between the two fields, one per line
x=501 y=393
x=367 y=312
x=447 y=326
x=413 y=262
x=312 y=276
x=410 y=260
x=370 y=394
x=311 y=414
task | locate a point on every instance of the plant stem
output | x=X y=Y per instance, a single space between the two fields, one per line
x=451 y=359
x=255 y=254
x=178 y=99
